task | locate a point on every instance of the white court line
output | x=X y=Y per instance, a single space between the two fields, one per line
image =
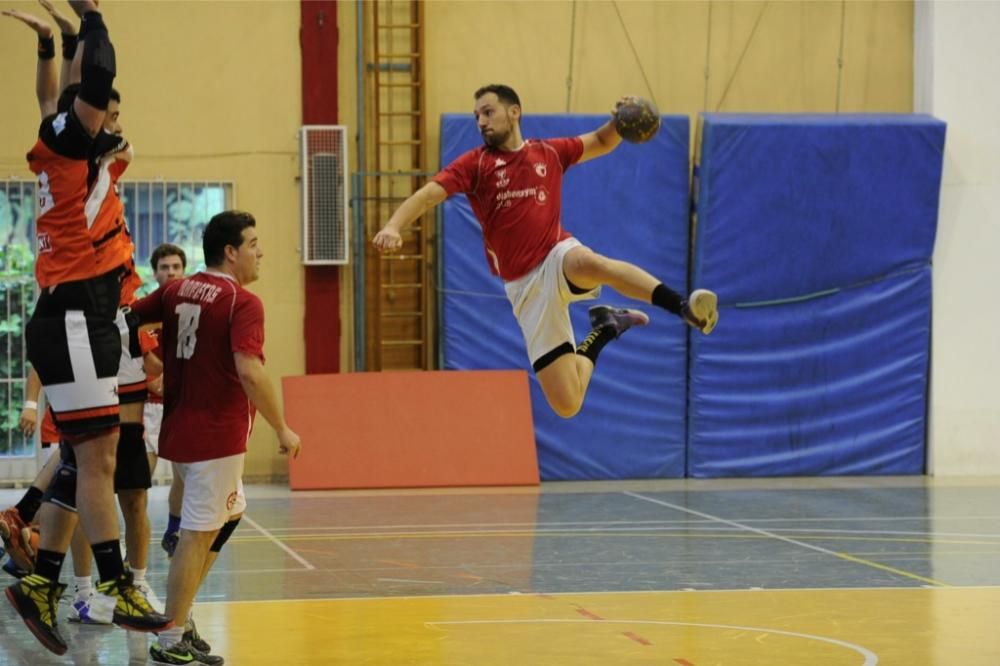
x=298 y=558
x=341 y=528
x=870 y=658
x=794 y=542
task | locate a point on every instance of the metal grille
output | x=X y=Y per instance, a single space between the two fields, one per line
x=156 y=211
x=324 y=195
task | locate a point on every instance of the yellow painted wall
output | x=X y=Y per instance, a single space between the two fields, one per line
x=211 y=90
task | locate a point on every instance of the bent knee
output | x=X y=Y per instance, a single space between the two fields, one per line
x=565 y=406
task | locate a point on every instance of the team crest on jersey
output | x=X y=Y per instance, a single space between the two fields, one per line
x=44 y=243
x=502 y=179
x=540 y=169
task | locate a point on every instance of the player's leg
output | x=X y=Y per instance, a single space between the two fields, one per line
x=586 y=269
x=213 y=491
x=15 y=520
x=174 y=502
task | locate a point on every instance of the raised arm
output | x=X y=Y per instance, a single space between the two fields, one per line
x=605 y=138
x=257 y=385
x=418 y=203
x=46 y=83
x=95 y=57
x=69 y=42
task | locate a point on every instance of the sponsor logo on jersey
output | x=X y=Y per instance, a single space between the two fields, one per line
x=44 y=243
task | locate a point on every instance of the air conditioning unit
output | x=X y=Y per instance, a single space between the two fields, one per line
x=324 y=195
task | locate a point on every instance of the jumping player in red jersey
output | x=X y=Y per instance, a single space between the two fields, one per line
x=515 y=189
x=214 y=382
x=73 y=341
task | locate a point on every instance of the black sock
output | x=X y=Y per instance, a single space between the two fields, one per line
x=28 y=506
x=667 y=298
x=48 y=564
x=594 y=343
x=108 y=556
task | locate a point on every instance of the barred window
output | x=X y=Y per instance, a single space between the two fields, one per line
x=156 y=212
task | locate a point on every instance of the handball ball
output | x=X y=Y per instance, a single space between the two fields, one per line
x=637 y=121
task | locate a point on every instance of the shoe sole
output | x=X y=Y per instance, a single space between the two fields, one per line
x=35 y=630
x=152 y=629
x=704 y=305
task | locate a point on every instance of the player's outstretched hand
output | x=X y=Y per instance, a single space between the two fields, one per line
x=387 y=240
x=38 y=25
x=289 y=443
x=28 y=421
x=65 y=25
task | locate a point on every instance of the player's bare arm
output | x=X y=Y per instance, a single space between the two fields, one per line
x=418 y=203
x=46 y=84
x=29 y=413
x=257 y=385
x=605 y=138
x=68 y=29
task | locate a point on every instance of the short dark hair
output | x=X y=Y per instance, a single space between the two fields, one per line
x=504 y=93
x=70 y=92
x=226 y=228
x=167 y=250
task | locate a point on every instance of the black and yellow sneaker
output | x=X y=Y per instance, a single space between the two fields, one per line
x=181 y=654
x=132 y=610
x=36 y=600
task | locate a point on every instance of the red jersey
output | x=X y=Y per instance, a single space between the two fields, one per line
x=516 y=196
x=206 y=319
x=74 y=226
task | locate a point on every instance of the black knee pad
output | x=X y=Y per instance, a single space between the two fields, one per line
x=62 y=488
x=224 y=534
x=131 y=464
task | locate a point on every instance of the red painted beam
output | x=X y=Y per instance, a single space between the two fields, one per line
x=318 y=39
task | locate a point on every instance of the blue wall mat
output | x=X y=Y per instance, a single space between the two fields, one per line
x=632 y=205
x=790 y=205
x=817 y=233
x=827 y=386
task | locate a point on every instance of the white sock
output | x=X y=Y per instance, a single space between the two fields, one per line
x=138 y=575
x=171 y=636
x=84 y=586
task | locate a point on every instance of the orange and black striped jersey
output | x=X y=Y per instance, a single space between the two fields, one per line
x=77 y=226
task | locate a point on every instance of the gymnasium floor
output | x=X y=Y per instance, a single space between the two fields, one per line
x=890 y=571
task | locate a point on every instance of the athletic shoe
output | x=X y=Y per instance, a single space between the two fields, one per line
x=193 y=638
x=169 y=542
x=10 y=566
x=92 y=608
x=36 y=600
x=14 y=531
x=132 y=610
x=181 y=653
x=147 y=591
x=701 y=310
x=620 y=319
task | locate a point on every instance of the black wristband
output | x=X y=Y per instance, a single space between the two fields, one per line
x=46 y=48
x=69 y=46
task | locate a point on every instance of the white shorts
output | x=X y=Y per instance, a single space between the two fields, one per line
x=541 y=304
x=131 y=374
x=213 y=491
x=152 y=419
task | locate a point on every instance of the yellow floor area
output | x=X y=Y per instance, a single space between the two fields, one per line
x=890 y=627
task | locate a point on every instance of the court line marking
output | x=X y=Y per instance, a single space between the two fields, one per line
x=870 y=658
x=298 y=558
x=794 y=542
x=685 y=521
x=499 y=595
